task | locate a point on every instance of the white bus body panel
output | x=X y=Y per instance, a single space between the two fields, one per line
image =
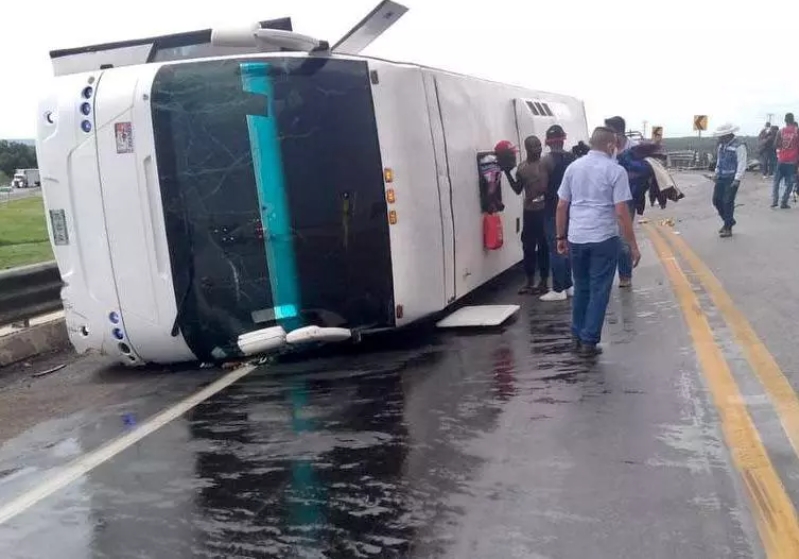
x=476 y=115
x=431 y=128
x=113 y=237
x=135 y=221
x=444 y=184
x=71 y=183
x=406 y=147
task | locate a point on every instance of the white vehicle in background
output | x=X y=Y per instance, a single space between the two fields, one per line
x=26 y=178
x=221 y=193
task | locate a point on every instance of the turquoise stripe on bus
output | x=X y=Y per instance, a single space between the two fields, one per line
x=272 y=198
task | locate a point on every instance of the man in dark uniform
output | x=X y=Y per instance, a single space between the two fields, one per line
x=555 y=163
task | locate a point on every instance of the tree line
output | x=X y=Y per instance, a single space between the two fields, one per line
x=16 y=155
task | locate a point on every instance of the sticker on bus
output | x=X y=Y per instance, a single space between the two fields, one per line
x=58 y=221
x=124 y=136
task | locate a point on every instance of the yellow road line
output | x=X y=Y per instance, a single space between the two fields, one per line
x=779 y=389
x=773 y=510
x=86 y=463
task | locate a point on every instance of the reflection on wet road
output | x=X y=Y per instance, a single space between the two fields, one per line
x=490 y=444
x=429 y=444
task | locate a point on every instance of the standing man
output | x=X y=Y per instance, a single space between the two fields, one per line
x=765 y=144
x=594 y=197
x=619 y=127
x=787 y=144
x=555 y=163
x=730 y=169
x=531 y=180
x=636 y=171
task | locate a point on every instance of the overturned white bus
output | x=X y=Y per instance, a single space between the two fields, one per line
x=216 y=194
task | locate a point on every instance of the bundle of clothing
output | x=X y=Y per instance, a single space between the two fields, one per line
x=645 y=168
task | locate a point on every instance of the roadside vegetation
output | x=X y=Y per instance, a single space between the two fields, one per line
x=13 y=156
x=23 y=233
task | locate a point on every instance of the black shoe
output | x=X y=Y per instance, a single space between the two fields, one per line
x=576 y=344
x=725 y=233
x=774 y=205
x=785 y=207
x=590 y=350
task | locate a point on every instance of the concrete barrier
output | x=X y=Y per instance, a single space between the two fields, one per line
x=37 y=339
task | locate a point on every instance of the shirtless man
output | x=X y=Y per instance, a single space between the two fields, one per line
x=532 y=179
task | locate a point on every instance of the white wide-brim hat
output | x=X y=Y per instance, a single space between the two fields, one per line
x=725 y=129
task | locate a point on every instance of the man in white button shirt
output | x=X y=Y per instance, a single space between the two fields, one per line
x=594 y=196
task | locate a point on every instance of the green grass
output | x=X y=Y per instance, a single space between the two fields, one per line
x=23 y=233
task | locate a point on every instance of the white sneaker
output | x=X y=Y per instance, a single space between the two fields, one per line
x=570 y=292
x=554 y=296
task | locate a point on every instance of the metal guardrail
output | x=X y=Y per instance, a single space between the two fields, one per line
x=684 y=159
x=29 y=291
x=688 y=160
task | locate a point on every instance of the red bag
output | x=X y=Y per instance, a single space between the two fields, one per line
x=492 y=231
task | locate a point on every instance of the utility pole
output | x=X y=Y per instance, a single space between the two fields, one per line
x=644 y=130
x=769 y=117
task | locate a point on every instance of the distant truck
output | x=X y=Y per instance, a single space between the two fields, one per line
x=26 y=178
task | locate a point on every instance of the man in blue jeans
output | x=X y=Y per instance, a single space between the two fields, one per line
x=731 y=161
x=787 y=144
x=637 y=172
x=594 y=196
x=556 y=162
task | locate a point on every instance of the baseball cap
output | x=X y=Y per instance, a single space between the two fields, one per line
x=617 y=124
x=505 y=145
x=555 y=132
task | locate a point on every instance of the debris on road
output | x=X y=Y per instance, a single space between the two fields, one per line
x=48 y=371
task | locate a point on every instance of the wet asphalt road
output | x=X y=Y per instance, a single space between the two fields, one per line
x=495 y=444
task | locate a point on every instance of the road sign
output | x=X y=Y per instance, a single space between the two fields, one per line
x=657 y=132
x=700 y=123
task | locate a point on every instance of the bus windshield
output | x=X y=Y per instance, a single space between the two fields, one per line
x=273 y=196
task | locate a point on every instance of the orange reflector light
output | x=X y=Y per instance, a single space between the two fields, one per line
x=392 y=217
x=400 y=311
x=390 y=196
x=388 y=175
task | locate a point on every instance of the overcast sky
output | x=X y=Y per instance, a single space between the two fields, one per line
x=661 y=62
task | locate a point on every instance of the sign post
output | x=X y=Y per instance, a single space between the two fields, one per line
x=700 y=124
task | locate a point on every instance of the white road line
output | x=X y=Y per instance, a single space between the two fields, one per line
x=91 y=460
